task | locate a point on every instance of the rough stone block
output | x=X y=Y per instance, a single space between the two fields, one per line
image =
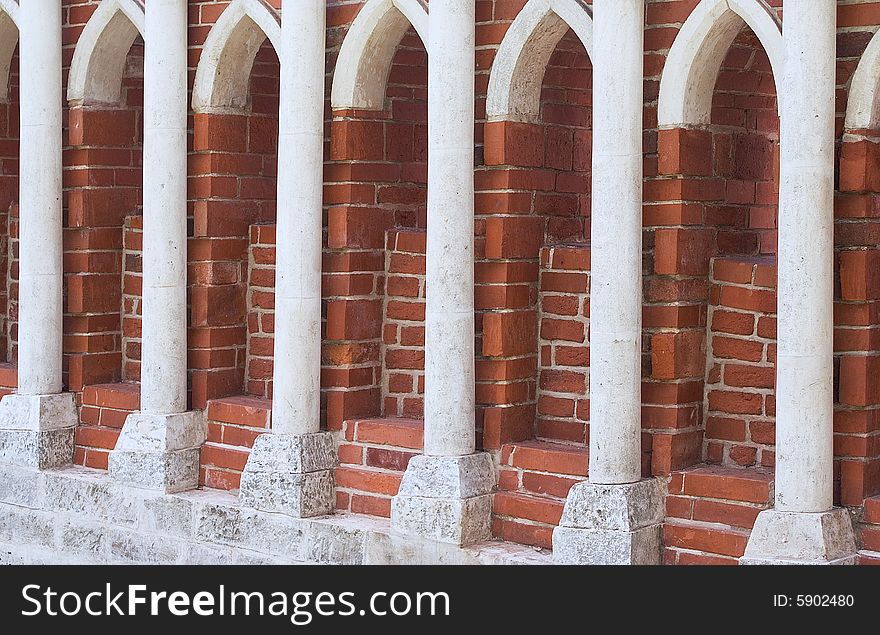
x=445 y=498
x=459 y=521
x=611 y=524
x=606 y=547
x=615 y=507
x=38 y=413
x=163 y=471
x=159 y=451
x=45 y=449
x=291 y=475
x=783 y=538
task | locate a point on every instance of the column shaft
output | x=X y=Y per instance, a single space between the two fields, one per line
x=449 y=320
x=804 y=428
x=164 y=361
x=41 y=265
x=616 y=235
x=297 y=374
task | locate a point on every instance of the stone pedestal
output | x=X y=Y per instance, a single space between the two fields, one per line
x=159 y=451
x=611 y=524
x=801 y=538
x=446 y=498
x=291 y=474
x=37 y=430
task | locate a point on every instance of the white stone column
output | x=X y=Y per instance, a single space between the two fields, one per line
x=290 y=470
x=804 y=401
x=159 y=445
x=630 y=533
x=445 y=493
x=37 y=423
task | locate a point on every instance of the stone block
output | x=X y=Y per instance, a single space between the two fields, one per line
x=159 y=451
x=445 y=498
x=606 y=547
x=291 y=475
x=791 y=538
x=611 y=524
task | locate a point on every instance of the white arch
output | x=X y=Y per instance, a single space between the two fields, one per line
x=696 y=56
x=222 y=77
x=8 y=42
x=863 y=107
x=518 y=71
x=367 y=52
x=99 y=58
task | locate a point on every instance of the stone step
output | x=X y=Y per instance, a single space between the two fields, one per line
x=234 y=423
x=724 y=483
x=534 y=480
x=372 y=459
x=220 y=465
x=389 y=431
x=547 y=457
x=713 y=539
x=525 y=518
x=710 y=513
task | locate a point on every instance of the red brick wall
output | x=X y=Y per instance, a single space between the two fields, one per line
x=232 y=185
x=103 y=177
x=403 y=332
x=532 y=190
x=563 y=328
x=375 y=182
x=261 y=310
x=529 y=197
x=740 y=396
x=9 y=125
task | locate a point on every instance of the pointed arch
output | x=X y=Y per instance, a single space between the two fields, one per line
x=696 y=56
x=222 y=76
x=99 y=58
x=863 y=106
x=8 y=42
x=518 y=71
x=367 y=52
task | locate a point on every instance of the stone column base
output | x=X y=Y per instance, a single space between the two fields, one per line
x=291 y=474
x=801 y=538
x=611 y=524
x=159 y=451
x=37 y=430
x=446 y=498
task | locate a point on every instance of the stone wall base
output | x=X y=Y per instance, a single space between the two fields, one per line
x=446 y=498
x=781 y=538
x=82 y=516
x=611 y=524
x=38 y=430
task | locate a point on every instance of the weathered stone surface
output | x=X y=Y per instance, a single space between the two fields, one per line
x=162 y=432
x=294 y=454
x=449 y=476
x=452 y=520
x=82 y=516
x=297 y=495
x=38 y=413
x=615 y=507
x=128 y=546
x=169 y=515
x=606 y=547
x=173 y=471
x=781 y=538
x=290 y=475
x=91 y=494
x=42 y=449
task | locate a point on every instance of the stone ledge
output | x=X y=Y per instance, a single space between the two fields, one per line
x=81 y=516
